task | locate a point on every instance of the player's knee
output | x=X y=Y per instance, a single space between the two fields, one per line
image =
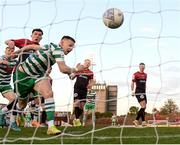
x=22 y=105
x=76 y=103
x=143 y=106
x=48 y=94
x=10 y=98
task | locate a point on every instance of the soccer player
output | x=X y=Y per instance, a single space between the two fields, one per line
x=7 y=64
x=36 y=37
x=114 y=120
x=89 y=106
x=138 y=87
x=84 y=80
x=32 y=75
x=34 y=106
x=27 y=118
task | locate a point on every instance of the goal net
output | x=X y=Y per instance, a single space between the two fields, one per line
x=150 y=33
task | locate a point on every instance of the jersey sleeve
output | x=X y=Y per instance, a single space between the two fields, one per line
x=57 y=52
x=59 y=55
x=146 y=76
x=133 y=78
x=21 y=42
x=91 y=76
x=45 y=47
x=12 y=63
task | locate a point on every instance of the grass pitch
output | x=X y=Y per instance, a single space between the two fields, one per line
x=86 y=135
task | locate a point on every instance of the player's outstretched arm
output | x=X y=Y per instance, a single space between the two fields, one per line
x=68 y=70
x=10 y=43
x=132 y=89
x=27 y=48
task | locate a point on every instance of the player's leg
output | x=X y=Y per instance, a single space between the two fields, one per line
x=141 y=112
x=43 y=86
x=82 y=101
x=85 y=114
x=7 y=93
x=43 y=113
x=77 y=112
x=35 y=104
x=143 y=107
x=136 y=121
x=23 y=85
x=80 y=112
x=76 y=108
x=14 y=118
x=93 y=117
x=10 y=95
x=92 y=108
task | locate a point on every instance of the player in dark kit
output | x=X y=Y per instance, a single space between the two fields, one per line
x=138 y=87
x=84 y=80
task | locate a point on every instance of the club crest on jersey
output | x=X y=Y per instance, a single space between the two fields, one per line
x=142 y=96
x=75 y=95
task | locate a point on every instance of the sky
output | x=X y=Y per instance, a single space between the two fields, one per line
x=150 y=33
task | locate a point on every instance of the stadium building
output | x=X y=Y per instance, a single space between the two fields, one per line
x=106 y=100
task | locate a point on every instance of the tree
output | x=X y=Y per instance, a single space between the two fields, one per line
x=133 y=110
x=155 y=110
x=169 y=107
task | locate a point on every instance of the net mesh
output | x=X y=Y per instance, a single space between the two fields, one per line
x=149 y=34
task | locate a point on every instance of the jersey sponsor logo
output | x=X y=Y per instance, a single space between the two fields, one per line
x=75 y=95
x=142 y=96
x=142 y=81
x=83 y=76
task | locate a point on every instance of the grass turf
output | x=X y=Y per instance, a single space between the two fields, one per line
x=86 y=135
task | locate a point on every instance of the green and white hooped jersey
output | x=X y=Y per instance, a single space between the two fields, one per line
x=6 y=70
x=38 y=62
x=90 y=98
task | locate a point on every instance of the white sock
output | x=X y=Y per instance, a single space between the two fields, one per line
x=17 y=106
x=50 y=123
x=12 y=118
x=35 y=118
x=4 y=110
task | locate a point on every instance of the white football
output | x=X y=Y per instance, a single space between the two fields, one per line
x=113 y=18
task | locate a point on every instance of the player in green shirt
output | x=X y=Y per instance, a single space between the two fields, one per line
x=32 y=74
x=89 y=106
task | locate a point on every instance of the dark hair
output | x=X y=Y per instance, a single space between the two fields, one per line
x=37 y=29
x=142 y=63
x=9 y=48
x=68 y=37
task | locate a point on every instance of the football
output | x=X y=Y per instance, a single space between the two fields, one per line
x=113 y=18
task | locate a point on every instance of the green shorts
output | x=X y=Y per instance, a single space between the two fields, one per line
x=24 y=84
x=89 y=106
x=5 y=89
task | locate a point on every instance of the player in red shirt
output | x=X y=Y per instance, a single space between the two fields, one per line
x=36 y=37
x=138 y=87
x=84 y=81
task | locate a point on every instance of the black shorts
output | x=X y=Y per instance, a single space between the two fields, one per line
x=80 y=95
x=141 y=97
